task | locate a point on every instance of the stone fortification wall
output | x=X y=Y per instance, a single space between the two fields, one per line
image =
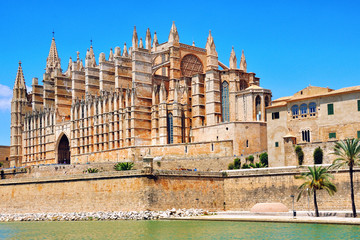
x=135 y=190
x=244 y=188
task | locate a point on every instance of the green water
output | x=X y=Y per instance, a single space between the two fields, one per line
x=174 y=230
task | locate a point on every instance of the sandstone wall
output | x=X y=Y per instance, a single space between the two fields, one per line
x=134 y=190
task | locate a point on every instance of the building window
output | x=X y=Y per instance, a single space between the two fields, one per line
x=312 y=108
x=275 y=115
x=295 y=110
x=225 y=101
x=276 y=144
x=212 y=147
x=258 y=108
x=170 y=129
x=247 y=143
x=330 y=109
x=332 y=135
x=358 y=134
x=358 y=105
x=303 y=109
x=305 y=135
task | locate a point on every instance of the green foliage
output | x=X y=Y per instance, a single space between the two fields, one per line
x=250 y=159
x=237 y=163
x=92 y=170
x=245 y=166
x=1 y=164
x=231 y=166
x=298 y=149
x=318 y=155
x=348 y=153
x=300 y=155
x=257 y=165
x=264 y=159
x=123 y=166
x=316 y=179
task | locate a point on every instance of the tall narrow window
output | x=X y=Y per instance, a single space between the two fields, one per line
x=258 y=108
x=170 y=128
x=225 y=101
x=182 y=127
x=330 y=109
x=306 y=135
x=358 y=105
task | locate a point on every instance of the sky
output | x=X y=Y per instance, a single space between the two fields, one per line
x=288 y=44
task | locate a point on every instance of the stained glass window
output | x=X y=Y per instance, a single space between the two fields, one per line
x=225 y=101
x=170 y=128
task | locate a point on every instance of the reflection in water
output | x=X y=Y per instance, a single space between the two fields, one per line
x=174 y=230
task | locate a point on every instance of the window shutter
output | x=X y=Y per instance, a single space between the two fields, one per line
x=330 y=109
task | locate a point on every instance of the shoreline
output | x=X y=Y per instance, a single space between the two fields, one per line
x=176 y=215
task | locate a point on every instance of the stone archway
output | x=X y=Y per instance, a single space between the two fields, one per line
x=63 y=151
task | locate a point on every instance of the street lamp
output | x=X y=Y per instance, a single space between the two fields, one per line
x=293 y=202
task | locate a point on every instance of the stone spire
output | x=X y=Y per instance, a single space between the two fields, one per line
x=111 y=55
x=155 y=42
x=233 y=60
x=20 y=80
x=53 y=60
x=117 y=52
x=174 y=35
x=141 y=44
x=243 y=65
x=135 y=39
x=210 y=45
x=211 y=54
x=125 y=51
x=148 y=39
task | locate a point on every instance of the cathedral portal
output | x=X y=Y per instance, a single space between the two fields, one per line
x=64 y=150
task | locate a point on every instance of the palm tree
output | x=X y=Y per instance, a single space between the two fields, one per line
x=316 y=179
x=348 y=152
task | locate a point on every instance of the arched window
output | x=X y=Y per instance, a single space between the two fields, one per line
x=312 y=108
x=295 y=110
x=182 y=127
x=258 y=108
x=305 y=135
x=267 y=101
x=225 y=101
x=303 y=108
x=170 y=129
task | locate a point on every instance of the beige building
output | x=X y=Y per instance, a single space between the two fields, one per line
x=4 y=156
x=313 y=117
x=165 y=99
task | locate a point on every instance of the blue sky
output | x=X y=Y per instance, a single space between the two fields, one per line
x=288 y=44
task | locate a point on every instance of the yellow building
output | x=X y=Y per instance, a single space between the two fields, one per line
x=165 y=99
x=313 y=117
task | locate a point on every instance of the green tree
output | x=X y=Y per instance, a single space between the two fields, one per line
x=237 y=163
x=316 y=179
x=300 y=155
x=318 y=155
x=264 y=159
x=231 y=166
x=348 y=152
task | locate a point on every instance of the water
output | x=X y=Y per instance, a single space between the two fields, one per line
x=174 y=230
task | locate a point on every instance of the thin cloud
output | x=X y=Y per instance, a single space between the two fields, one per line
x=5 y=97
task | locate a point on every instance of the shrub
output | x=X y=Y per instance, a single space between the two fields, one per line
x=245 y=166
x=237 y=163
x=264 y=159
x=318 y=155
x=300 y=155
x=250 y=158
x=1 y=164
x=92 y=170
x=123 y=166
x=231 y=166
x=257 y=165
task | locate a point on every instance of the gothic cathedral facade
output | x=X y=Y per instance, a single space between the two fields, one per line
x=171 y=100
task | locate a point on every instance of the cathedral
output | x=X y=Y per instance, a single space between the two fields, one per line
x=169 y=100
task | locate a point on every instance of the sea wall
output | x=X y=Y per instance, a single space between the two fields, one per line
x=137 y=190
